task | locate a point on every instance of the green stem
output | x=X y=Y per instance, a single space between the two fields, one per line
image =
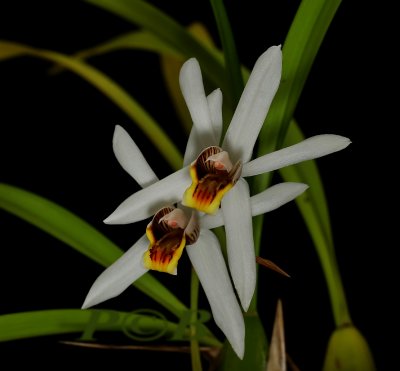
x=194 y=301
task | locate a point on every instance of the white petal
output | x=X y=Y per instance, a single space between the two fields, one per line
x=148 y=201
x=192 y=88
x=236 y=211
x=314 y=147
x=254 y=105
x=118 y=276
x=131 y=158
x=276 y=196
x=194 y=143
x=193 y=147
x=209 y=221
x=215 y=105
x=262 y=203
x=209 y=265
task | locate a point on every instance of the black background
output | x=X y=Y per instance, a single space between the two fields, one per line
x=55 y=141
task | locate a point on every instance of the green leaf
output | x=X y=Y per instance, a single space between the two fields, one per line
x=302 y=43
x=256 y=348
x=141 y=40
x=172 y=33
x=138 y=40
x=232 y=65
x=110 y=89
x=308 y=173
x=65 y=321
x=75 y=232
x=300 y=48
x=170 y=67
x=313 y=207
x=88 y=322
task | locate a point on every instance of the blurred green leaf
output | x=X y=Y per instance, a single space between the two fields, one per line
x=171 y=66
x=171 y=32
x=140 y=40
x=75 y=232
x=110 y=89
x=64 y=321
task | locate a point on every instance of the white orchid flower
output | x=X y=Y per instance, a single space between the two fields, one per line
x=165 y=250
x=212 y=178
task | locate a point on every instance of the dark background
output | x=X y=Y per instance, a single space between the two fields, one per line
x=55 y=141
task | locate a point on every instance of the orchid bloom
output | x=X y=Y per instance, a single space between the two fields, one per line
x=216 y=178
x=204 y=253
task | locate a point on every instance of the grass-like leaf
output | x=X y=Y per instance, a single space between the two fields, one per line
x=25 y=325
x=314 y=209
x=232 y=64
x=152 y=19
x=302 y=43
x=109 y=88
x=75 y=232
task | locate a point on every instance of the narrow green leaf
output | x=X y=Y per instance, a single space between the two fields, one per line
x=314 y=209
x=25 y=325
x=307 y=172
x=170 y=67
x=301 y=46
x=302 y=43
x=75 y=232
x=172 y=33
x=141 y=40
x=138 y=40
x=232 y=65
x=110 y=89
x=88 y=322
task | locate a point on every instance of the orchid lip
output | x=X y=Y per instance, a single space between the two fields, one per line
x=213 y=175
x=169 y=232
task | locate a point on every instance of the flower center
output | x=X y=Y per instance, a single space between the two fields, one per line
x=213 y=175
x=169 y=232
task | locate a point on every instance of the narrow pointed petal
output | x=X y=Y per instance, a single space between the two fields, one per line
x=131 y=158
x=263 y=202
x=148 y=201
x=308 y=149
x=236 y=211
x=194 y=143
x=254 y=105
x=193 y=147
x=215 y=105
x=192 y=87
x=118 y=276
x=276 y=196
x=209 y=265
